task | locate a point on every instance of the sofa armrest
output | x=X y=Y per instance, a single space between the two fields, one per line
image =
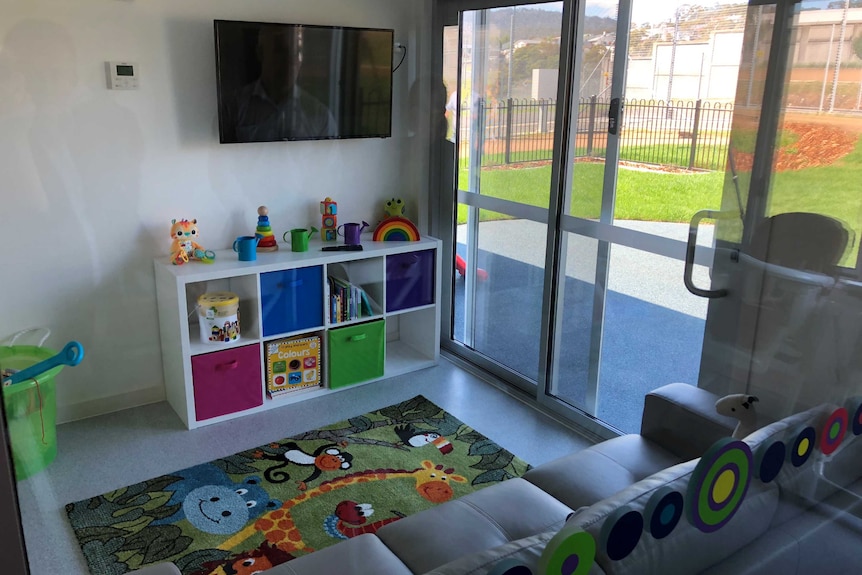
x=682 y=419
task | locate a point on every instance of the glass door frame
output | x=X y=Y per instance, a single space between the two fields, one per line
x=448 y=13
x=564 y=224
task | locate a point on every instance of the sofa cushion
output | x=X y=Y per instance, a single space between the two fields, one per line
x=829 y=534
x=487 y=518
x=526 y=551
x=590 y=475
x=768 y=554
x=820 y=539
x=362 y=555
x=686 y=549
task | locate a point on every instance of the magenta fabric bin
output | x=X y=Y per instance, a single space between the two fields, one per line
x=227 y=381
x=409 y=280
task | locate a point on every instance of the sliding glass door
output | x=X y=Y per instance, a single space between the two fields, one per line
x=648 y=134
x=502 y=94
x=557 y=287
x=606 y=157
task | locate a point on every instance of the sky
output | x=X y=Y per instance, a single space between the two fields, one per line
x=655 y=11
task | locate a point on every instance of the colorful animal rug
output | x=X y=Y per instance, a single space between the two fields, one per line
x=262 y=507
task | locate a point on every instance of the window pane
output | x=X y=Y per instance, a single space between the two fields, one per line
x=506 y=318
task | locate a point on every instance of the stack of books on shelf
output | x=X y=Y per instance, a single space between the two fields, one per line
x=292 y=364
x=347 y=301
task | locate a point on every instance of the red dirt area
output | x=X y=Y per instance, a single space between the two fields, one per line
x=818 y=145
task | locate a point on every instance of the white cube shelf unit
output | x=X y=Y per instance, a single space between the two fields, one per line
x=285 y=294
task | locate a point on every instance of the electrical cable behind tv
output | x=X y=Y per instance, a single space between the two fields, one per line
x=403 y=55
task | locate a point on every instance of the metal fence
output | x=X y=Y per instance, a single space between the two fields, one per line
x=515 y=131
x=693 y=135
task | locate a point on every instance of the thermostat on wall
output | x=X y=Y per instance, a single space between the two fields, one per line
x=122 y=75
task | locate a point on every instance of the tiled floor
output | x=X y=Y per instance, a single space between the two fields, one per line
x=103 y=453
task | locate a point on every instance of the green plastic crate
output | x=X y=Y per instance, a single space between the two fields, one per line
x=356 y=353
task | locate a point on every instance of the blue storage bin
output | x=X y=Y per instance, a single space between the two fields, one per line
x=291 y=300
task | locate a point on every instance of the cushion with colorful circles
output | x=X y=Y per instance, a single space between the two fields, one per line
x=788 y=452
x=689 y=517
x=692 y=516
x=681 y=520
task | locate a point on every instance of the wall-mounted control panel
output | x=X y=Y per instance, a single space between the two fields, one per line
x=122 y=75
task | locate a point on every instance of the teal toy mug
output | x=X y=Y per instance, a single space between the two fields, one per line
x=246 y=247
x=299 y=238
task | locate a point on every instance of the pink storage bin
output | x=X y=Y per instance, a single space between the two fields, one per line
x=227 y=381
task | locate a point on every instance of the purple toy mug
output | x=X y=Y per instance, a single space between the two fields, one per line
x=352 y=232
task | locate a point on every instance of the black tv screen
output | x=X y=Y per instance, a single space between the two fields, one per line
x=279 y=82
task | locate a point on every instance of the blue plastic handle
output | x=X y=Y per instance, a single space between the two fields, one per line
x=71 y=355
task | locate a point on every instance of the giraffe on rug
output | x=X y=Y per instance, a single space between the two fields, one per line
x=278 y=527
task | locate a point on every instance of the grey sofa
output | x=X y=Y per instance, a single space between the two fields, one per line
x=782 y=526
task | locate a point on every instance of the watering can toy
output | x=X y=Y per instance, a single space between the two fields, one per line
x=352 y=232
x=299 y=238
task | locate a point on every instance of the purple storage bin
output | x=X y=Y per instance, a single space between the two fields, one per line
x=227 y=381
x=409 y=280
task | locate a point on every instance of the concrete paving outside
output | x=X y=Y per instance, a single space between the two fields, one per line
x=653 y=327
x=649 y=277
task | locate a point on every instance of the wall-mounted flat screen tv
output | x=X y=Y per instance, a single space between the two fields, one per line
x=279 y=82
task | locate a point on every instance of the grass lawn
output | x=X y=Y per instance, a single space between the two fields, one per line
x=673 y=197
x=830 y=190
x=652 y=196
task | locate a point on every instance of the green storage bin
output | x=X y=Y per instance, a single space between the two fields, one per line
x=356 y=353
x=31 y=410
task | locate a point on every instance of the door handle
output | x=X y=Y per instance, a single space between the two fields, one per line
x=690 y=246
x=614 y=114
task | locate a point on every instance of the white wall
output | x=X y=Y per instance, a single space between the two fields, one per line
x=91 y=178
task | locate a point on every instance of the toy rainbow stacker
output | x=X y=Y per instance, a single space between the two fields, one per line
x=268 y=242
x=395 y=227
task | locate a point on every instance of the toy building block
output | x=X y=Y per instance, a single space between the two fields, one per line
x=329 y=220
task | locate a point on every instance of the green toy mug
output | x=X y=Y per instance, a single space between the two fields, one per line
x=299 y=238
